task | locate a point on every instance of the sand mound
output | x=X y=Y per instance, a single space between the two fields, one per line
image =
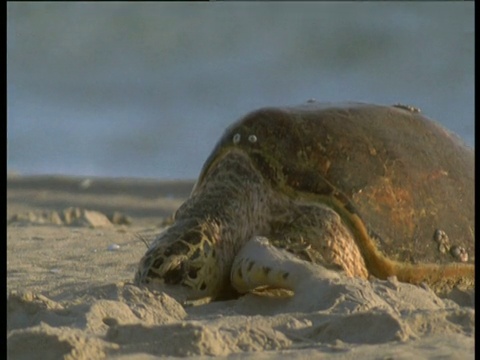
x=70 y=296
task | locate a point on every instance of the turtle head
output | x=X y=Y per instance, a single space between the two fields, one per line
x=183 y=262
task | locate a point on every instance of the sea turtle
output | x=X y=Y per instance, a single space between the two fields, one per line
x=366 y=189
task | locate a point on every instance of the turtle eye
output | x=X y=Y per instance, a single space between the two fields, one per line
x=252 y=138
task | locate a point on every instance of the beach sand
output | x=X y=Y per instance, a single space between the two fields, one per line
x=73 y=245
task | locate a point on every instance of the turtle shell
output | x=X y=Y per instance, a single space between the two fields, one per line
x=410 y=180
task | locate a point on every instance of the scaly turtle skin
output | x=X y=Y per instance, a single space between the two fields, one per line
x=367 y=189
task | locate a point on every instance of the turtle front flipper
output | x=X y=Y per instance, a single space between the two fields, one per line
x=313 y=235
x=260 y=264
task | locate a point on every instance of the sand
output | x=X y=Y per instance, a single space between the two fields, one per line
x=73 y=245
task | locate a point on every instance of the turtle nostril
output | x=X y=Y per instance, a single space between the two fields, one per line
x=174 y=276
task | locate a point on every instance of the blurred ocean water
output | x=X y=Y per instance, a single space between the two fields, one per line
x=146 y=89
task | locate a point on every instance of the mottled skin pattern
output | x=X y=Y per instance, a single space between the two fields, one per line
x=356 y=187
